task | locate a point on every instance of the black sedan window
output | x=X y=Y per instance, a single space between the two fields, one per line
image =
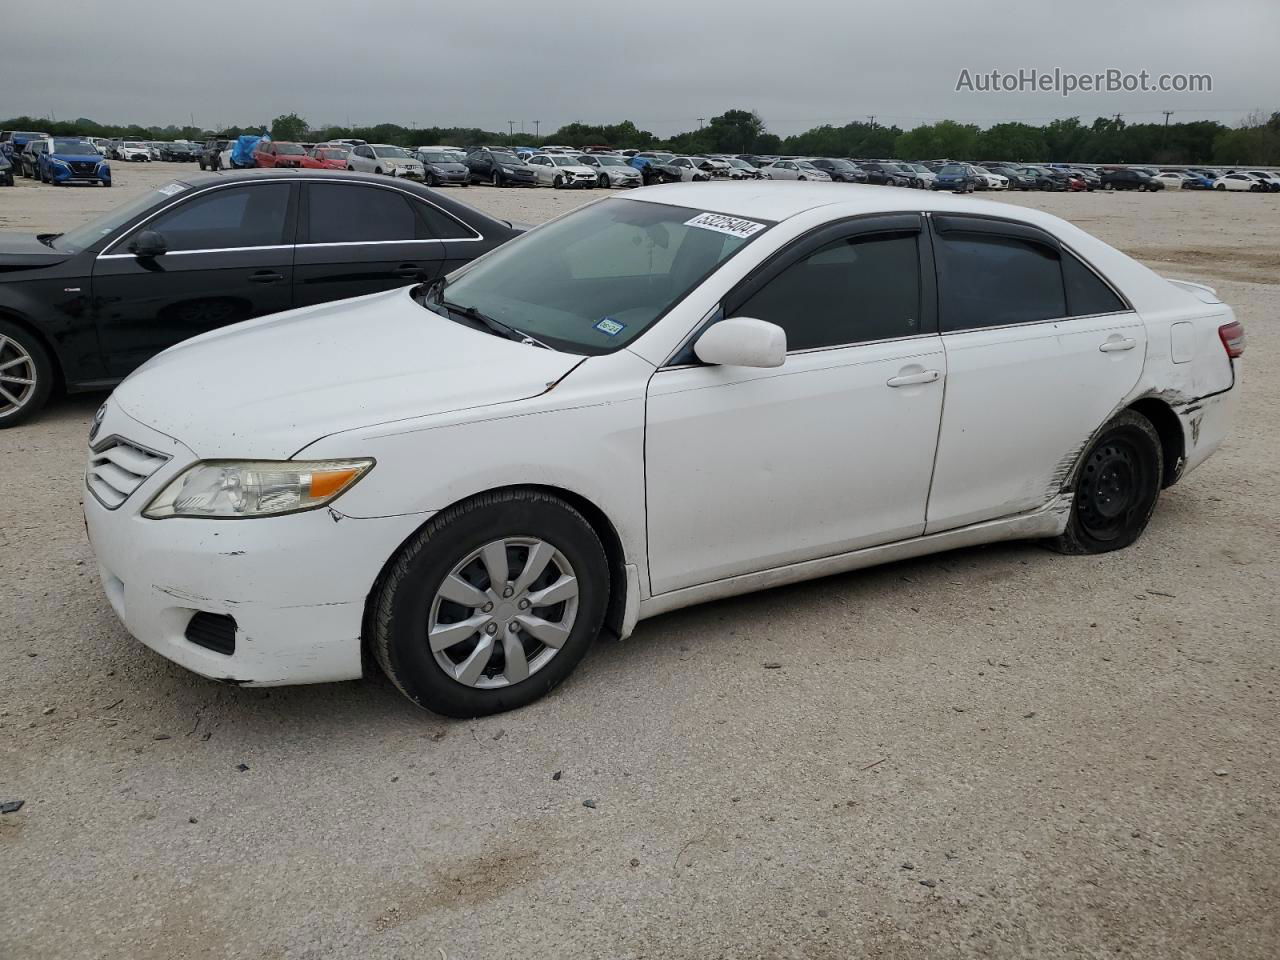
x=235 y=217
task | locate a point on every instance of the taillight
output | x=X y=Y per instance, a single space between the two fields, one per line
x=1232 y=335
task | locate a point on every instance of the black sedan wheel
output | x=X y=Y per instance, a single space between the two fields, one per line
x=497 y=179
x=26 y=375
x=1117 y=484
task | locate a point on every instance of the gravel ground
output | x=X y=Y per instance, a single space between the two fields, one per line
x=994 y=752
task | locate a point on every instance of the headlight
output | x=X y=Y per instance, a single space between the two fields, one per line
x=61 y=163
x=255 y=488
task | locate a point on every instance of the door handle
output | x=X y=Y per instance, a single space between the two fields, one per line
x=910 y=379
x=1112 y=346
x=266 y=276
x=408 y=270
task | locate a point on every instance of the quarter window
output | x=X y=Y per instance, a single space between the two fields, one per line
x=991 y=281
x=854 y=290
x=1087 y=294
x=251 y=216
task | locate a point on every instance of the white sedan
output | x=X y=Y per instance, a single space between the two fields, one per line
x=662 y=398
x=561 y=170
x=385 y=158
x=1240 y=181
x=612 y=170
x=1171 y=181
x=794 y=170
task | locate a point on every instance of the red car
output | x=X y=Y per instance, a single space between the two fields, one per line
x=278 y=153
x=326 y=158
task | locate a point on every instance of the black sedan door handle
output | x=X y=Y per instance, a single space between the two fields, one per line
x=266 y=276
x=409 y=271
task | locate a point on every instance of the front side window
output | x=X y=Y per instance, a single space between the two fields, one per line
x=594 y=280
x=854 y=290
x=991 y=281
x=249 y=216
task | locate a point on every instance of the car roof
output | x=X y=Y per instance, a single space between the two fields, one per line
x=778 y=200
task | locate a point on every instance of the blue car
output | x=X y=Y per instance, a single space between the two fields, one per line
x=73 y=160
x=958 y=177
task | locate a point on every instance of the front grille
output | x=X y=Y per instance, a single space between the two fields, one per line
x=213 y=631
x=118 y=468
x=83 y=166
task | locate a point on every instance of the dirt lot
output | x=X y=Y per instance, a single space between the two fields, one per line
x=997 y=752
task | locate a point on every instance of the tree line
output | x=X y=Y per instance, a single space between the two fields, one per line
x=1255 y=141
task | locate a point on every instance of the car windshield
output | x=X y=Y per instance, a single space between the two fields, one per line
x=435 y=156
x=390 y=152
x=740 y=164
x=952 y=170
x=611 y=161
x=596 y=279
x=73 y=241
x=565 y=161
x=73 y=146
x=135 y=145
x=330 y=154
x=289 y=150
x=508 y=158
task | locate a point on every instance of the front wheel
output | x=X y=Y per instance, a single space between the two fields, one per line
x=558 y=182
x=1117 y=484
x=497 y=179
x=604 y=180
x=26 y=375
x=491 y=604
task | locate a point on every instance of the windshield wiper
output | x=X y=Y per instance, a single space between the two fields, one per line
x=495 y=326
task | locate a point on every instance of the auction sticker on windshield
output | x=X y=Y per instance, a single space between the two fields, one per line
x=733 y=226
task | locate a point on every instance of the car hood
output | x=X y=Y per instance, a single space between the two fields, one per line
x=24 y=250
x=448 y=167
x=266 y=388
x=77 y=157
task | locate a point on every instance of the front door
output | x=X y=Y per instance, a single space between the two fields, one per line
x=749 y=469
x=229 y=257
x=1040 y=352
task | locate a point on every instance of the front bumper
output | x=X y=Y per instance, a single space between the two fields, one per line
x=57 y=174
x=295 y=585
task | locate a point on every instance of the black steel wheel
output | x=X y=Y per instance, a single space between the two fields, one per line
x=1117 y=484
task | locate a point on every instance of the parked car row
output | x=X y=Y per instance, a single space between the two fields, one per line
x=58 y=161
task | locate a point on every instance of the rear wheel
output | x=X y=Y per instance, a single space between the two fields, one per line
x=491 y=604
x=1117 y=486
x=26 y=375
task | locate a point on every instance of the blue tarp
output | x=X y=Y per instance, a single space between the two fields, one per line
x=242 y=152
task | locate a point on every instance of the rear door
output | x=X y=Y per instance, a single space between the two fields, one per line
x=1040 y=352
x=359 y=238
x=229 y=258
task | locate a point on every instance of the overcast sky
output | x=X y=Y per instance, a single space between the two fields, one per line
x=660 y=63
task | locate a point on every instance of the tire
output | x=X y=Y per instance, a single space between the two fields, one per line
x=408 y=603
x=351 y=168
x=1220 y=186
x=558 y=182
x=497 y=179
x=201 y=163
x=377 y=169
x=1117 y=485
x=433 y=180
x=15 y=342
x=604 y=180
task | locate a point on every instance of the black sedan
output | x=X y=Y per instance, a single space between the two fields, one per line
x=84 y=308
x=841 y=171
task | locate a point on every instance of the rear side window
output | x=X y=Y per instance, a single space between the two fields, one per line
x=991 y=281
x=1087 y=294
x=349 y=213
x=854 y=290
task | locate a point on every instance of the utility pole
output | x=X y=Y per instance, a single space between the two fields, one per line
x=511 y=128
x=536 y=125
x=872 y=118
x=701 y=121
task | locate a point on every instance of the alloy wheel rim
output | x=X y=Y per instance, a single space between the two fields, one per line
x=17 y=376
x=1110 y=489
x=503 y=612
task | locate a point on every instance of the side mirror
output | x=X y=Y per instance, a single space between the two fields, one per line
x=148 y=243
x=743 y=342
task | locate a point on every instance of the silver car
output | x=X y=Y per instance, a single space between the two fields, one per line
x=385 y=158
x=612 y=170
x=561 y=170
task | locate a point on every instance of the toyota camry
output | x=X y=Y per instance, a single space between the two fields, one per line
x=663 y=398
